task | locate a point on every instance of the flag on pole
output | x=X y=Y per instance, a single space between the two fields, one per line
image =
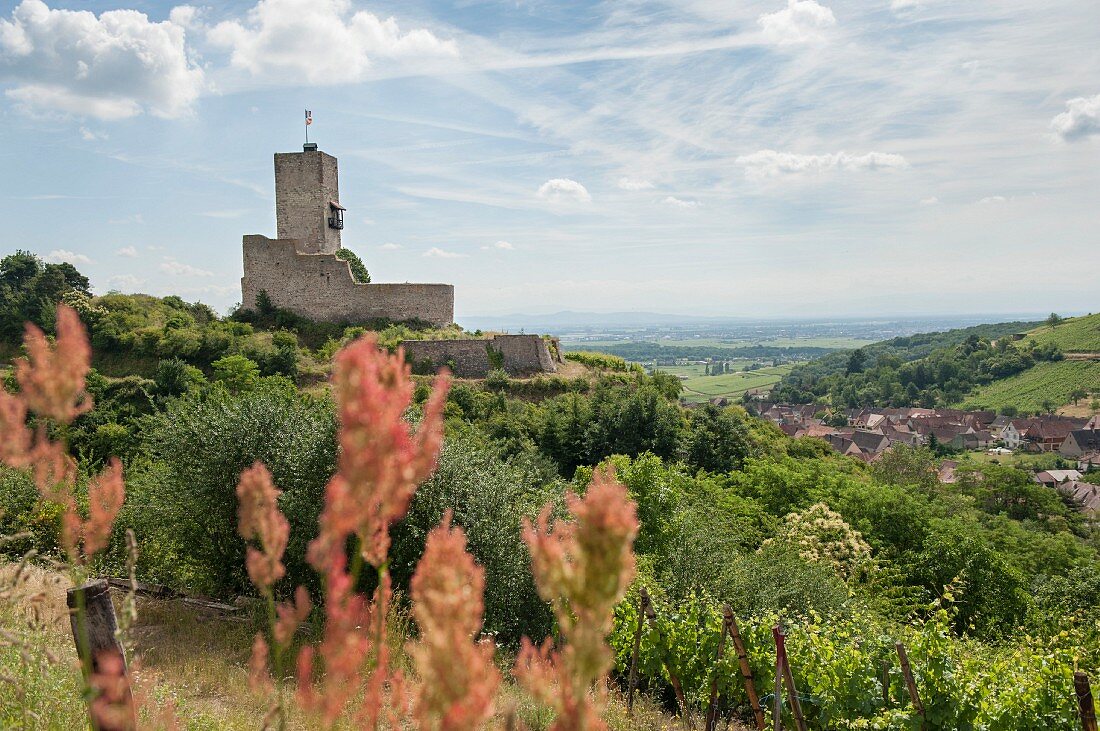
x=309 y=117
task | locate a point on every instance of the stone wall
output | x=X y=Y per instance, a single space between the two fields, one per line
x=521 y=354
x=321 y=287
x=305 y=184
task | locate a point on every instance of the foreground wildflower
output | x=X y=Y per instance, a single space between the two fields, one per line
x=382 y=460
x=457 y=678
x=582 y=567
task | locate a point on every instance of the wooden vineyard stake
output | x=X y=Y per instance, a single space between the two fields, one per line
x=632 y=683
x=712 y=707
x=1085 y=703
x=651 y=617
x=95 y=639
x=777 y=697
x=907 y=673
x=746 y=669
x=788 y=676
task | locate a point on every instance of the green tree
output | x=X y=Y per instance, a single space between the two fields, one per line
x=30 y=291
x=358 y=269
x=856 y=361
x=1054 y=320
x=236 y=372
x=1077 y=394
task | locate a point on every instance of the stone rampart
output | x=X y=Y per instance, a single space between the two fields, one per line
x=518 y=355
x=321 y=287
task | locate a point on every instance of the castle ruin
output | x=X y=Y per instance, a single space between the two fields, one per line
x=299 y=271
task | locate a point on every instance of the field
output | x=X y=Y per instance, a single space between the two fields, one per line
x=700 y=388
x=1076 y=335
x=1027 y=391
x=836 y=343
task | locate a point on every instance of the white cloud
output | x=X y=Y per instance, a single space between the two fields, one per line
x=437 y=253
x=931 y=201
x=993 y=200
x=132 y=218
x=185 y=16
x=503 y=245
x=563 y=190
x=128 y=251
x=125 y=281
x=59 y=255
x=634 y=184
x=897 y=5
x=320 y=41
x=89 y=135
x=111 y=67
x=770 y=163
x=683 y=205
x=802 y=21
x=1081 y=119
x=389 y=246
x=179 y=269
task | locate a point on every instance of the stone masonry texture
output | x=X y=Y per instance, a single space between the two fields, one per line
x=519 y=354
x=300 y=271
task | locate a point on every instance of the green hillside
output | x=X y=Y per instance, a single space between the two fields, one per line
x=1044 y=382
x=1074 y=335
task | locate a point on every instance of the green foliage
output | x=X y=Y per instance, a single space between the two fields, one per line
x=601 y=361
x=30 y=291
x=22 y=510
x=182 y=502
x=236 y=372
x=358 y=269
x=488 y=497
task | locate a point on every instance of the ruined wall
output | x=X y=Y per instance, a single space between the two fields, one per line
x=521 y=354
x=305 y=184
x=321 y=287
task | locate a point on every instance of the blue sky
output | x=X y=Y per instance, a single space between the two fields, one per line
x=766 y=158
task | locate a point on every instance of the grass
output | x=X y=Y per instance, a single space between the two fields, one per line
x=1074 y=335
x=1049 y=381
x=191 y=665
x=731 y=385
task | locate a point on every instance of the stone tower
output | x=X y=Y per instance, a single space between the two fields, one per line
x=307 y=200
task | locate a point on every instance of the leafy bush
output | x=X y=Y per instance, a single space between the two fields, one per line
x=358 y=268
x=184 y=504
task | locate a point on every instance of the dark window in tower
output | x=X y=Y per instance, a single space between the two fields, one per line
x=336 y=215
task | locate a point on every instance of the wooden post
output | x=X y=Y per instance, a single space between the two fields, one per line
x=886 y=683
x=651 y=616
x=95 y=639
x=777 y=696
x=712 y=707
x=1085 y=703
x=632 y=683
x=907 y=673
x=788 y=677
x=746 y=669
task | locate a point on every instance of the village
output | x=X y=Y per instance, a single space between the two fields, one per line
x=868 y=433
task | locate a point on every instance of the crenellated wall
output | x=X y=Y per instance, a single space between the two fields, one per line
x=519 y=355
x=321 y=287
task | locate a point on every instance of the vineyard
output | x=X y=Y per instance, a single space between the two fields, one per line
x=1041 y=385
x=848 y=675
x=1075 y=335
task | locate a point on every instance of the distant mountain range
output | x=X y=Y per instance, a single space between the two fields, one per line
x=568 y=320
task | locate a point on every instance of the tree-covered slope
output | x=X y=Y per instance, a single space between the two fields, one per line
x=1073 y=335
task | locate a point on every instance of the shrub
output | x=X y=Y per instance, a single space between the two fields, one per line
x=185 y=502
x=236 y=372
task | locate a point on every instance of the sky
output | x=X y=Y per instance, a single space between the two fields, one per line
x=772 y=158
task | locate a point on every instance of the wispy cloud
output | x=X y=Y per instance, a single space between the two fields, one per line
x=228 y=213
x=179 y=269
x=437 y=253
x=129 y=252
x=635 y=184
x=388 y=246
x=681 y=204
x=770 y=163
x=502 y=245
x=58 y=256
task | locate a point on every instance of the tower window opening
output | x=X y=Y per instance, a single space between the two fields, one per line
x=336 y=215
